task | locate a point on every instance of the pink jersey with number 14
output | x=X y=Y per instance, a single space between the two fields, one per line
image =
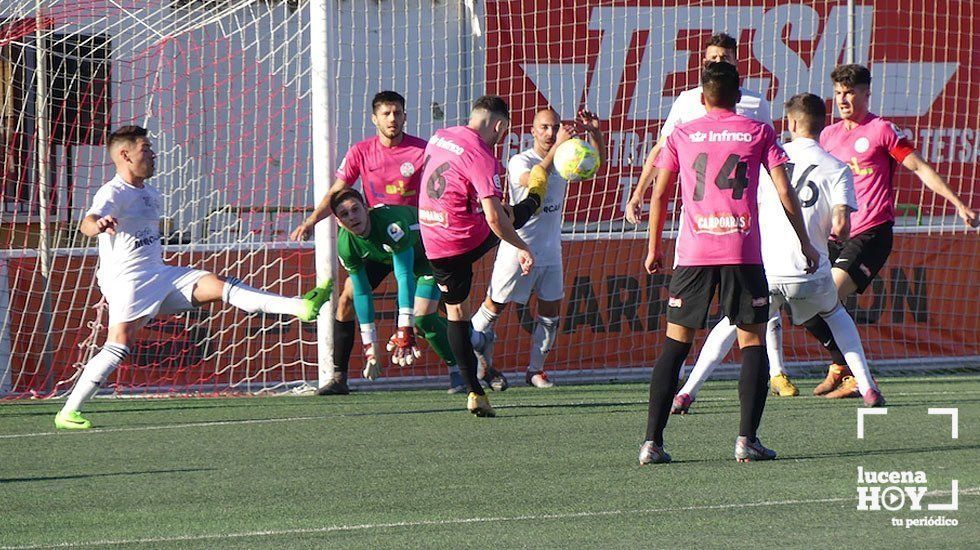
x=718 y=158
x=460 y=169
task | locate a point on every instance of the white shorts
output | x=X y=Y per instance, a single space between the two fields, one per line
x=164 y=292
x=508 y=285
x=806 y=299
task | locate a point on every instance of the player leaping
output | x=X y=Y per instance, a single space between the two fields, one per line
x=137 y=285
x=389 y=235
x=543 y=234
x=873 y=148
x=826 y=192
x=720 y=156
x=462 y=218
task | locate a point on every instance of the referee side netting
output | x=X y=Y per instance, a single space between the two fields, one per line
x=224 y=87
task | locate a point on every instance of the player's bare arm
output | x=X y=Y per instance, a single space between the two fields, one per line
x=565 y=133
x=666 y=179
x=588 y=123
x=322 y=211
x=840 y=224
x=794 y=213
x=501 y=225
x=634 y=208
x=935 y=182
x=92 y=225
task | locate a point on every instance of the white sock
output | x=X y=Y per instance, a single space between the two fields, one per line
x=484 y=319
x=94 y=374
x=849 y=341
x=716 y=346
x=251 y=299
x=774 y=345
x=542 y=340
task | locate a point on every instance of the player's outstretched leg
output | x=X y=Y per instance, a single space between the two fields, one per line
x=779 y=381
x=432 y=327
x=861 y=384
x=344 y=333
x=94 y=374
x=837 y=370
x=482 y=340
x=663 y=382
x=542 y=340
x=716 y=346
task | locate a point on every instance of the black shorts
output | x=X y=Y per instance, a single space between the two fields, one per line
x=863 y=256
x=376 y=272
x=454 y=274
x=743 y=294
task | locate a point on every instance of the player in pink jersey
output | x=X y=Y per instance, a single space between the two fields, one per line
x=462 y=218
x=389 y=166
x=873 y=148
x=718 y=157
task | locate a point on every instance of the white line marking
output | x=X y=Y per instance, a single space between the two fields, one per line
x=514 y=406
x=459 y=521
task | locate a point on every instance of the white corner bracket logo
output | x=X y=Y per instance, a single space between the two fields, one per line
x=905 y=490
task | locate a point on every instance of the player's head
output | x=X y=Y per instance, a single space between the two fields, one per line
x=719 y=82
x=351 y=211
x=721 y=47
x=491 y=118
x=544 y=129
x=131 y=151
x=388 y=113
x=806 y=115
x=852 y=90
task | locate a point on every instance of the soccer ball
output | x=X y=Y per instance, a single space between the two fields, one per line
x=576 y=160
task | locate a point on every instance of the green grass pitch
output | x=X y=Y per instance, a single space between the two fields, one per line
x=556 y=468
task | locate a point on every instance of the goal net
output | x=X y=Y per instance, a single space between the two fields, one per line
x=224 y=88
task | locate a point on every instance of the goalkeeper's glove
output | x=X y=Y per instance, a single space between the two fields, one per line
x=372 y=351
x=403 y=346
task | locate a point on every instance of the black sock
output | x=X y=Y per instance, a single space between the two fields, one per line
x=458 y=333
x=663 y=385
x=819 y=329
x=525 y=209
x=753 y=387
x=343 y=345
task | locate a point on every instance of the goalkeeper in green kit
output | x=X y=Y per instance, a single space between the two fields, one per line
x=390 y=235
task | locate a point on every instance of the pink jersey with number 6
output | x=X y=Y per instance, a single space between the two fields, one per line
x=718 y=158
x=460 y=169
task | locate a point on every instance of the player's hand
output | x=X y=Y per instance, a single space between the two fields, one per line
x=301 y=233
x=403 y=348
x=634 y=209
x=372 y=367
x=588 y=121
x=526 y=259
x=812 y=258
x=107 y=224
x=654 y=262
x=969 y=216
x=566 y=131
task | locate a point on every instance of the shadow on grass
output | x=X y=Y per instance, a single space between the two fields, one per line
x=845 y=454
x=4 y=480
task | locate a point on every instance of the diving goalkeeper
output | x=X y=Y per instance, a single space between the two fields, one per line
x=390 y=235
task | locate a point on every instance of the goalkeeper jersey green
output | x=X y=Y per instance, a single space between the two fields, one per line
x=393 y=230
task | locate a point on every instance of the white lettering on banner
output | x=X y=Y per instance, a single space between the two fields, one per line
x=563 y=84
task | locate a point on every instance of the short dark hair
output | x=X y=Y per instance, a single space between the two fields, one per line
x=345 y=194
x=387 y=96
x=812 y=109
x=722 y=40
x=851 y=75
x=494 y=104
x=125 y=134
x=720 y=84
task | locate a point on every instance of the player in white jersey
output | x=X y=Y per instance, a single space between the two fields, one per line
x=125 y=216
x=688 y=107
x=826 y=190
x=542 y=233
